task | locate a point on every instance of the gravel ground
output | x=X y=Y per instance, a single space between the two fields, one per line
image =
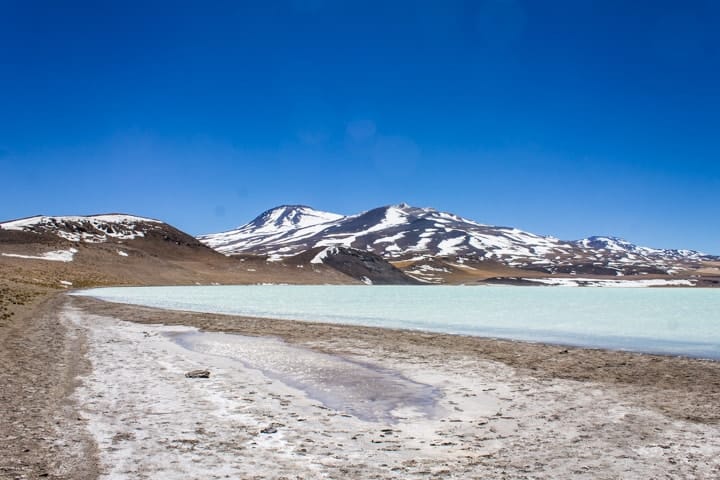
x=41 y=358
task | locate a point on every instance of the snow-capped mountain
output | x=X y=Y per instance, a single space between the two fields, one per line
x=614 y=244
x=87 y=229
x=121 y=236
x=275 y=226
x=414 y=236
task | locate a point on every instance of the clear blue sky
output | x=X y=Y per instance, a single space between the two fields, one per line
x=566 y=118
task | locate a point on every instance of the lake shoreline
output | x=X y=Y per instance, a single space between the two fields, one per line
x=682 y=323
x=508 y=408
x=692 y=383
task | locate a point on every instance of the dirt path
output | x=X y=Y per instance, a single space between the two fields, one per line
x=40 y=359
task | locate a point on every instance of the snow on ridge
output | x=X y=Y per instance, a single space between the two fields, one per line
x=121 y=218
x=393 y=216
x=323 y=254
x=296 y=216
x=621 y=246
x=90 y=229
x=28 y=222
x=23 y=223
x=608 y=243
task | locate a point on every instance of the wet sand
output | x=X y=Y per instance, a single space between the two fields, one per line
x=503 y=409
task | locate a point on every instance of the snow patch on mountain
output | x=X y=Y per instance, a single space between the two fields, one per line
x=448 y=246
x=323 y=254
x=54 y=256
x=614 y=244
x=27 y=223
x=390 y=239
x=595 y=282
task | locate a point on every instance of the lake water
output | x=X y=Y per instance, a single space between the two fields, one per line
x=680 y=321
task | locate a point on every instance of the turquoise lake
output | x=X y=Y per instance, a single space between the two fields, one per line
x=678 y=321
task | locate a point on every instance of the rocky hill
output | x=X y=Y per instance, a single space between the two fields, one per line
x=368 y=267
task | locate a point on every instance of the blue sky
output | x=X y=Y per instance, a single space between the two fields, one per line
x=566 y=118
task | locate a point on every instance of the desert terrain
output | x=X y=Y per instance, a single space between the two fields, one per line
x=98 y=390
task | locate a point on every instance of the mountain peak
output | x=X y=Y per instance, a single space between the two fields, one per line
x=296 y=206
x=406 y=207
x=293 y=216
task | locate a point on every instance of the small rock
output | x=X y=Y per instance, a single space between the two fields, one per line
x=268 y=430
x=198 y=374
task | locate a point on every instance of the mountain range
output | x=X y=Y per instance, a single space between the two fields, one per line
x=431 y=245
x=396 y=244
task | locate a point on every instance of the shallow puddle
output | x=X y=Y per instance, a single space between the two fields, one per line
x=367 y=392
